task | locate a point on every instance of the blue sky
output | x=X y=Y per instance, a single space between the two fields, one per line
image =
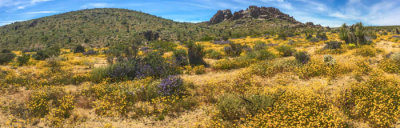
x=325 y=12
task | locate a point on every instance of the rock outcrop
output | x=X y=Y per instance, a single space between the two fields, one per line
x=266 y=13
x=221 y=15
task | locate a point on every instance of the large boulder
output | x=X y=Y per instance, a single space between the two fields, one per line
x=220 y=16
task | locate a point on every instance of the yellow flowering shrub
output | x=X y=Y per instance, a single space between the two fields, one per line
x=298 y=108
x=41 y=100
x=58 y=115
x=375 y=101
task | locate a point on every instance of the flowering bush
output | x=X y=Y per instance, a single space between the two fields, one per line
x=171 y=85
x=375 y=101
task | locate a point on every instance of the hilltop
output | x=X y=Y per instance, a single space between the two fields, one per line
x=105 y=26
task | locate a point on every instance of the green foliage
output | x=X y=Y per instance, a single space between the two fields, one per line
x=239 y=62
x=233 y=49
x=196 y=54
x=24 y=59
x=285 y=51
x=302 y=57
x=6 y=56
x=79 y=49
x=270 y=68
x=213 y=54
x=321 y=36
x=259 y=45
x=47 y=53
x=260 y=55
x=356 y=34
x=181 y=57
x=333 y=45
x=163 y=46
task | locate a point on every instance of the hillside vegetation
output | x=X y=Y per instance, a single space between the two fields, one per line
x=104 y=27
x=293 y=76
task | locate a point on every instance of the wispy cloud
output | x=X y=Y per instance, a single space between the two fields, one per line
x=41 y=12
x=96 y=5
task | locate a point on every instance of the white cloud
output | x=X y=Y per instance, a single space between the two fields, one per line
x=41 y=12
x=96 y=5
x=20 y=4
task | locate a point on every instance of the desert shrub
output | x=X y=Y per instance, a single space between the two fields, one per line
x=46 y=53
x=24 y=59
x=226 y=64
x=333 y=45
x=196 y=54
x=319 y=68
x=233 y=49
x=79 y=49
x=99 y=74
x=329 y=60
x=163 y=46
x=313 y=39
x=57 y=115
x=356 y=34
x=392 y=64
x=374 y=101
x=89 y=52
x=282 y=35
x=261 y=55
x=122 y=70
x=366 y=51
x=302 y=57
x=312 y=69
x=321 y=36
x=114 y=102
x=172 y=85
x=181 y=58
x=298 y=108
x=259 y=45
x=232 y=107
x=40 y=101
x=199 y=69
x=213 y=54
x=6 y=56
x=270 y=68
x=54 y=63
x=151 y=64
x=285 y=51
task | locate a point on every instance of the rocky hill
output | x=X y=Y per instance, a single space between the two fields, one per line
x=105 y=26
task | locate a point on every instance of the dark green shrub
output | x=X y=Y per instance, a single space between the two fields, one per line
x=214 y=54
x=181 y=57
x=6 y=56
x=79 y=49
x=261 y=55
x=24 y=59
x=163 y=46
x=302 y=57
x=333 y=45
x=259 y=45
x=285 y=51
x=196 y=54
x=321 y=36
x=46 y=53
x=233 y=49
